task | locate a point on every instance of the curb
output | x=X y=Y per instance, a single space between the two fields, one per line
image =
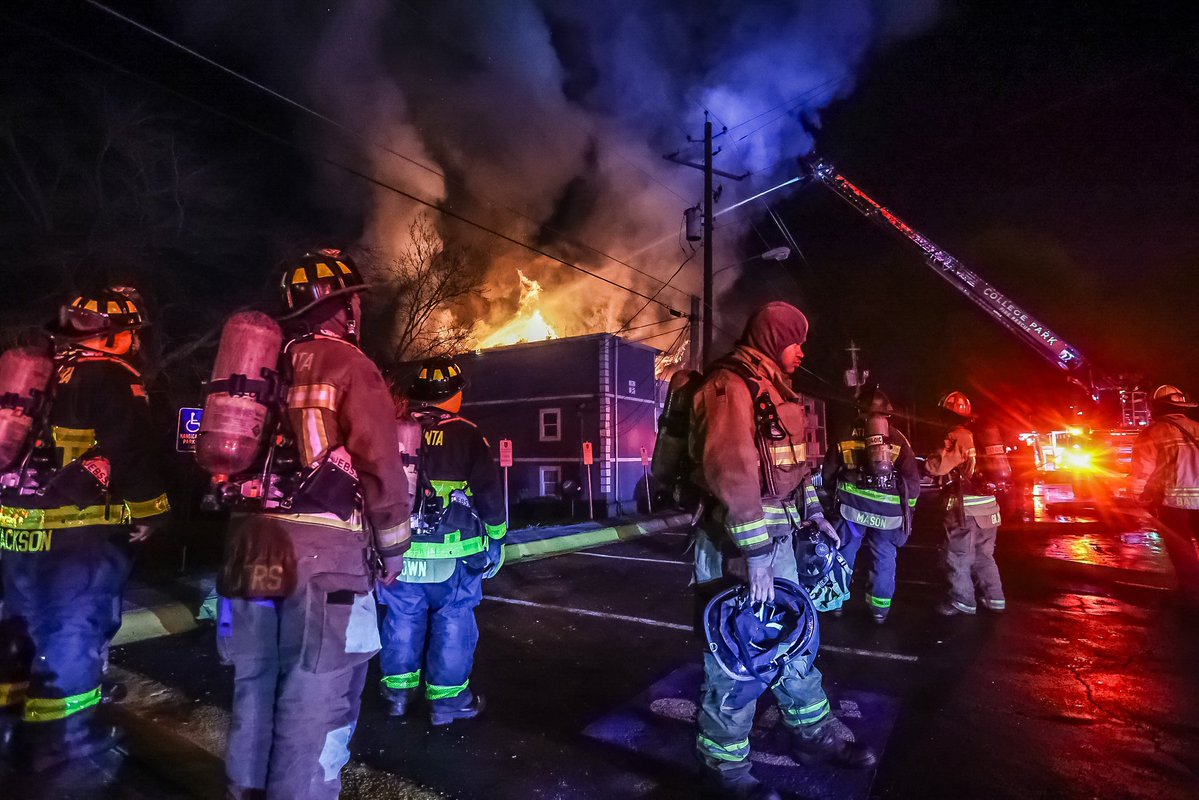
x=531 y=543
x=149 y=613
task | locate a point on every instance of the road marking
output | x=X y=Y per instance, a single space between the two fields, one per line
x=632 y=558
x=657 y=623
x=854 y=651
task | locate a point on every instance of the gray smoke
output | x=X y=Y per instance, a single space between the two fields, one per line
x=549 y=119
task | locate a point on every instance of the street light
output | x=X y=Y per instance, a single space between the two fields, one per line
x=775 y=254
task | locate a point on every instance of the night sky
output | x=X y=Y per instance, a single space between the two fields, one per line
x=1049 y=146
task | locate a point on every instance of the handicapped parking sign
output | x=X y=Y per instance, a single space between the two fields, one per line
x=188 y=429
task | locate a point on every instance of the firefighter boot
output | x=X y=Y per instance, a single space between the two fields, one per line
x=397 y=701
x=733 y=784
x=113 y=692
x=444 y=716
x=44 y=750
x=949 y=608
x=830 y=742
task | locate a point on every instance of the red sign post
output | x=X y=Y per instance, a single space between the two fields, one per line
x=588 y=460
x=649 y=501
x=505 y=462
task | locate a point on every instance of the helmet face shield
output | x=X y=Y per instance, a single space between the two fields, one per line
x=101 y=313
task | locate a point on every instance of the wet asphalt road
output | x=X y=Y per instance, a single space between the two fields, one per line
x=1085 y=687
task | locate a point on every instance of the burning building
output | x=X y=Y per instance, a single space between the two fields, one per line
x=552 y=397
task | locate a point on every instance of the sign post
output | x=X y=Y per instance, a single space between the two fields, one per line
x=649 y=500
x=505 y=462
x=187 y=429
x=588 y=460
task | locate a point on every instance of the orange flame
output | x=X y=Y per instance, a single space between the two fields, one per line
x=528 y=325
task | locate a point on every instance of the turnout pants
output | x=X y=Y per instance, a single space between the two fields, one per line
x=884 y=551
x=432 y=625
x=299 y=665
x=57 y=621
x=970 y=563
x=727 y=707
x=1180 y=532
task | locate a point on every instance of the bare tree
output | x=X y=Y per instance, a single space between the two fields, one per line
x=411 y=310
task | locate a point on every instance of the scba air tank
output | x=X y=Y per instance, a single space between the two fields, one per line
x=410 y=433
x=992 y=462
x=24 y=380
x=234 y=427
x=670 y=449
x=878 y=446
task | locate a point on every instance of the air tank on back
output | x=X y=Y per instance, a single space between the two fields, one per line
x=992 y=458
x=234 y=427
x=878 y=447
x=670 y=449
x=24 y=379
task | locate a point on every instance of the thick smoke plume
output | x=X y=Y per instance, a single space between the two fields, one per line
x=548 y=120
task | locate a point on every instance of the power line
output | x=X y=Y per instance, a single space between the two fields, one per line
x=654 y=298
x=334 y=163
x=355 y=134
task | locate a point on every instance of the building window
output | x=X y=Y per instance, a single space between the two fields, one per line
x=551 y=424
x=551 y=481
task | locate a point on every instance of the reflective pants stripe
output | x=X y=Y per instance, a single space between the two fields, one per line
x=444 y=692
x=808 y=715
x=409 y=680
x=737 y=751
x=41 y=709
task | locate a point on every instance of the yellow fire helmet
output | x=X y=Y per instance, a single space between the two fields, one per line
x=956 y=403
x=97 y=313
x=316 y=277
x=1172 y=396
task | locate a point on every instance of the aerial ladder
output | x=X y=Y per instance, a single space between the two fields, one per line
x=1134 y=408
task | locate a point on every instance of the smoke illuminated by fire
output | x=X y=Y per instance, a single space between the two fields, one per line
x=528 y=325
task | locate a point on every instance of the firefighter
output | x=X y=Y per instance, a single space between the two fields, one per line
x=1165 y=468
x=972 y=515
x=297 y=574
x=459 y=526
x=89 y=486
x=873 y=479
x=746 y=416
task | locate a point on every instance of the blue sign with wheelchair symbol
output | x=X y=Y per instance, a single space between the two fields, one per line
x=188 y=429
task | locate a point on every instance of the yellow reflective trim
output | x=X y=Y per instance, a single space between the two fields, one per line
x=437 y=376
x=91 y=305
x=148 y=508
x=73 y=442
x=746 y=527
x=40 y=709
x=13 y=694
x=323 y=271
x=344 y=268
x=324 y=520
x=299 y=276
x=313 y=395
x=36 y=519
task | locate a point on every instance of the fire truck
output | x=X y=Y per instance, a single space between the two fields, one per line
x=1086 y=451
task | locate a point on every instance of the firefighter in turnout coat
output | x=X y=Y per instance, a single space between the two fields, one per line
x=302 y=628
x=873 y=479
x=430 y=633
x=760 y=491
x=972 y=516
x=1165 y=468
x=90 y=486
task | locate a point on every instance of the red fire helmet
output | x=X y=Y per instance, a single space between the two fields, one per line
x=957 y=403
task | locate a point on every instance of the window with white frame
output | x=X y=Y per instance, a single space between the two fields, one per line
x=551 y=481
x=551 y=424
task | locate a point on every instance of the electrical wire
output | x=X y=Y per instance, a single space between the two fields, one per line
x=339 y=165
x=645 y=305
x=355 y=134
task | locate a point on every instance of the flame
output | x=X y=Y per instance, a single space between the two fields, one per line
x=528 y=325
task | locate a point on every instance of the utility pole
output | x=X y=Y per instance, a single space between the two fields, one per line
x=709 y=201
x=695 y=357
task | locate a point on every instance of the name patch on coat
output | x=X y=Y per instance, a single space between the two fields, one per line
x=25 y=541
